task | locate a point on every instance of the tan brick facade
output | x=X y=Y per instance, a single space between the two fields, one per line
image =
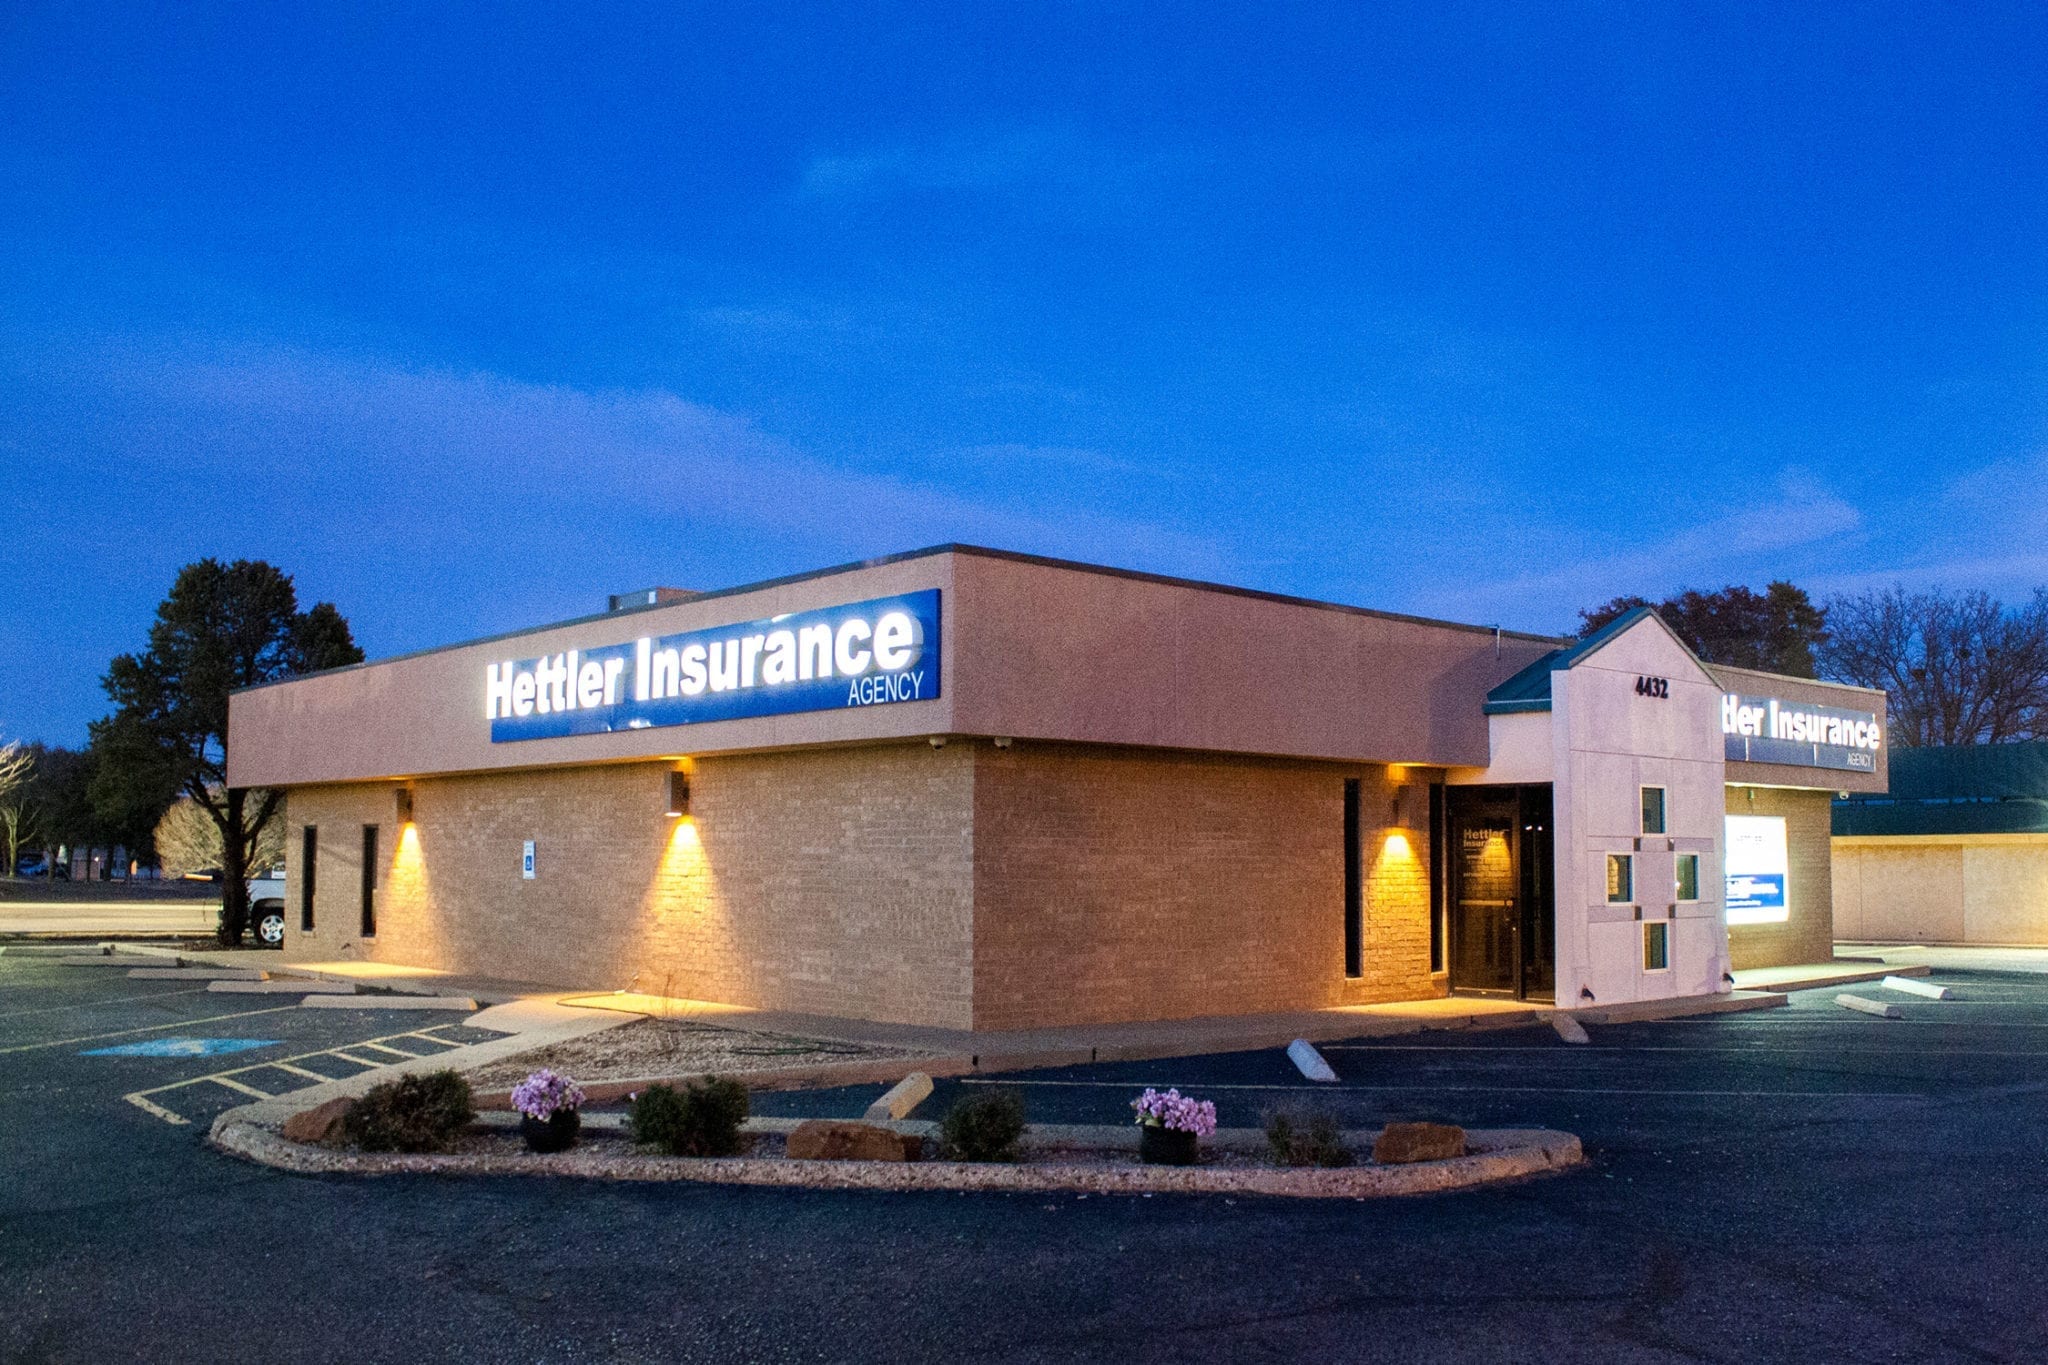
x=1117 y=884
x=1808 y=933
x=826 y=881
x=965 y=886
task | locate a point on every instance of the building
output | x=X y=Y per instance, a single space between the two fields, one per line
x=967 y=788
x=1955 y=852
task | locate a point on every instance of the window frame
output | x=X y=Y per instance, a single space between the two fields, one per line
x=369 y=921
x=1628 y=886
x=1662 y=935
x=1663 y=808
x=1678 y=881
x=309 y=860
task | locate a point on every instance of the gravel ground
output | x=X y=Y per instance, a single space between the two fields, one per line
x=1084 y=1168
x=668 y=1047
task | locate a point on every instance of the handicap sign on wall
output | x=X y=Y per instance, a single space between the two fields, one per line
x=181 y=1047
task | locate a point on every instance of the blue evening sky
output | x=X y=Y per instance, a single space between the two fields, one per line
x=467 y=317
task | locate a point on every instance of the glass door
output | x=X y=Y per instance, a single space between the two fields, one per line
x=1498 y=889
x=1484 y=891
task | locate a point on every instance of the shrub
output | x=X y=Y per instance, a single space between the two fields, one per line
x=983 y=1126
x=418 y=1113
x=1306 y=1139
x=701 y=1119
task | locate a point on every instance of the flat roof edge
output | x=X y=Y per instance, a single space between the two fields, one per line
x=906 y=556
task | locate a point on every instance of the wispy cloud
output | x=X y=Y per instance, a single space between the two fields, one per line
x=1743 y=545
x=480 y=454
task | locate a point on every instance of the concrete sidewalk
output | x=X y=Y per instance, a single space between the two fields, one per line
x=1843 y=971
x=1023 y=1049
x=1950 y=957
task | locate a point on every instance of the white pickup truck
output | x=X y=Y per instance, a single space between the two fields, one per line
x=266 y=908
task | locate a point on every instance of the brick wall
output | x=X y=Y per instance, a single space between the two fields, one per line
x=1117 y=884
x=824 y=881
x=964 y=886
x=1808 y=933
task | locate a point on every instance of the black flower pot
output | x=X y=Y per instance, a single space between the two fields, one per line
x=1159 y=1146
x=556 y=1133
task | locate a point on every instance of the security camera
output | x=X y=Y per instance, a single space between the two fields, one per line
x=938 y=741
x=1004 y=741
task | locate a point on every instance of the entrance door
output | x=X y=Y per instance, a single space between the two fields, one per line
x=1503 y=933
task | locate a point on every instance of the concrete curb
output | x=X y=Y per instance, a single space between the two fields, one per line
x=889 y=1070
x=1498 y=1155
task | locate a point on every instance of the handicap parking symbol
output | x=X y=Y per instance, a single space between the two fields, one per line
x=181 y=1047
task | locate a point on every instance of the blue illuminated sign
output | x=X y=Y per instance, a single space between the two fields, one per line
x=868 y=653
x=1799 y=734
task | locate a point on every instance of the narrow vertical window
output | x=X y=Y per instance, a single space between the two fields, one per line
x=1437 y=842
x=309 y=843
x=1354 y=885
x=1653 y=810
x=369 y=881
x=1656 y=945
x=1621 y=878
x=1688 y=887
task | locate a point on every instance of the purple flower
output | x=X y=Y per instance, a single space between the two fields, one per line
x=544 y=1092
x=1177 y=1111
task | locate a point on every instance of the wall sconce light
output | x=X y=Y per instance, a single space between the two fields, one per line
x=404 y=804
x=678 y=794
x=1401 y=813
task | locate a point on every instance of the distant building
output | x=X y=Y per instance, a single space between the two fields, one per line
x=1955 y=852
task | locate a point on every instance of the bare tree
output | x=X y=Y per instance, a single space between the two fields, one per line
x=1959 y=667
x=188 y=840
x=17 y=813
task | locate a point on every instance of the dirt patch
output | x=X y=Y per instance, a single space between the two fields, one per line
x=673 y=1047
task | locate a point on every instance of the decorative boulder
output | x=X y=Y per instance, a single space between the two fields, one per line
x=1405 y=1142
x=845 y=1140
x=318 y=1124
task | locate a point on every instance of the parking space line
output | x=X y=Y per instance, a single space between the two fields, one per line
x=140 y=1099
x=149 y=1028
x=117 y=1000
x=1598 y=1048
x=148 y=1107
x=1422 y=1086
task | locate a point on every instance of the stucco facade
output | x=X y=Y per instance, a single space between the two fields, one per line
x=1989 y=889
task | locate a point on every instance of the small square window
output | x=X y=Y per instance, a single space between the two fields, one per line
x=1653 y=810
x=1621 y=878
x=1656 y=945
x=1688 y=876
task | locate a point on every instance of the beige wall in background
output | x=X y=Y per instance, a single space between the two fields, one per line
x=1941 y=888
x=1808 y=933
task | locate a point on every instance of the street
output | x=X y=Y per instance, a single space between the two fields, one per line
x=1801 y=1184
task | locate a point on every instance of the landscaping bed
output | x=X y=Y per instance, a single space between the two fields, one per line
x=675 y=1047
x=1104 y=1161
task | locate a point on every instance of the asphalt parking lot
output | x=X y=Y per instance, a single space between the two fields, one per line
x=1794 y=1184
